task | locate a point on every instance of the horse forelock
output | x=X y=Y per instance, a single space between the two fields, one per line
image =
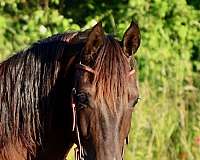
x=112 y=68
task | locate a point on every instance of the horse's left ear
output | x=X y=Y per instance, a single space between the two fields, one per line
x=131 y=39
x=95 y=39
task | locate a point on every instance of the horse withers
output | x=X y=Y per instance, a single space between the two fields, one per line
x=77 y=87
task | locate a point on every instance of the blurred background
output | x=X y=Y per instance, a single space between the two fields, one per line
x=166 y=121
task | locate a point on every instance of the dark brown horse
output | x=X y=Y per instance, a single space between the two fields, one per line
x=70 y=88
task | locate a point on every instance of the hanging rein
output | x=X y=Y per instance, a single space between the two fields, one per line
x=79 y=151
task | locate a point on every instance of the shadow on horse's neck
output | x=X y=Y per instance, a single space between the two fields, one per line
x=58 y=134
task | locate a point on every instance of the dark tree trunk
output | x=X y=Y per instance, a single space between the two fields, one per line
x=61 y=6
x=44 y=3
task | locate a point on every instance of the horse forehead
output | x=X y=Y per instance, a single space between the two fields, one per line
x=112 y=112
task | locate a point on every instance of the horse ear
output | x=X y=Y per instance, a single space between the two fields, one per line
x=131 y=39
x=95 y=39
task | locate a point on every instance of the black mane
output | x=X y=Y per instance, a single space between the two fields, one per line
x=29 y=82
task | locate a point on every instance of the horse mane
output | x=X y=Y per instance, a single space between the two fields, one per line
x=112 y=69
x=25 y=80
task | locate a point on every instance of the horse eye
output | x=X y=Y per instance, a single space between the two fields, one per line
x=136 y=101
x=82 y=98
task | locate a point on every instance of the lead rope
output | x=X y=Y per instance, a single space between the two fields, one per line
x=79 y=153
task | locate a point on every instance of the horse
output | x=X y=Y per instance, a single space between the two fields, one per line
x=71 y=88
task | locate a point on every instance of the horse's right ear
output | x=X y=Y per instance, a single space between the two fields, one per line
x=95 y=39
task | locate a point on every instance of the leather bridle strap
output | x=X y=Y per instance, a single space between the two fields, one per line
x=79 y=153
x=89 y=69
x=131 y=72
x=85 y=68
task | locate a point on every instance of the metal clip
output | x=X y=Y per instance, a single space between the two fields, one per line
x=73 y=91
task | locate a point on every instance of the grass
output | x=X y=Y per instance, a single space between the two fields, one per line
x=166 y=122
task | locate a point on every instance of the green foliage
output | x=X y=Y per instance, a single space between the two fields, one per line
x=166 y=122
x=20 y=27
